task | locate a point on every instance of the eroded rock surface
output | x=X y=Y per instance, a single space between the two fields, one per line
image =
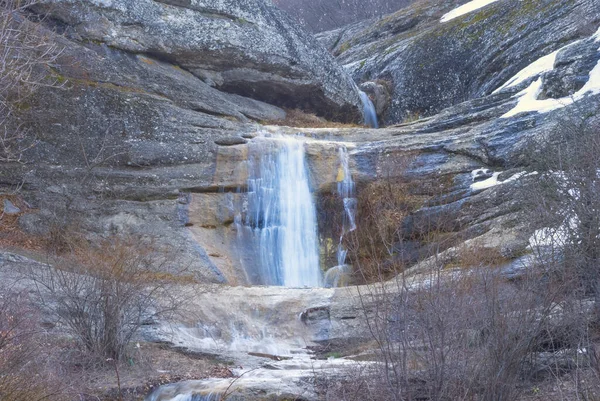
x=247 y=47
x=142 y=138
x=433 y=64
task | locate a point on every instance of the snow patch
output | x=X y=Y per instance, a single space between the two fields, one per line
x=465 y=9
x=553 y=237
x=528 y=98
x=538 y=67
x=485 y=184
x=493 y=180
x=548 y=237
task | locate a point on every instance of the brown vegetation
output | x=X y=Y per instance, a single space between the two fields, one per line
x=472 y=334
x=104 y=292
x=469 y=330
x=299 y=118
x=26 y=371
x=11 y=235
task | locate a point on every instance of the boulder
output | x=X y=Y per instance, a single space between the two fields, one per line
x=10 y=208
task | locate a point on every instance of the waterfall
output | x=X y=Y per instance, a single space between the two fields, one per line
x=346 y=191
x=281 y=213
x=369 y=112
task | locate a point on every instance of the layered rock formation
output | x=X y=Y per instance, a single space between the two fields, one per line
x=158 y=103
x=321 y=15
x=433 y=64
x=144 y=134
x=147 y=96
x=247 y=47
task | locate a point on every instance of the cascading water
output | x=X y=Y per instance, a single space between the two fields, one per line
x=163 y=394
x=281 y=214
x=277 y=229
x=346 y=191
x=369 y=112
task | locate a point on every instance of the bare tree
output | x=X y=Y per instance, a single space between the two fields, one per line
x=465 y=331
x=563 y=197
x=103 y=293
x=26 y=51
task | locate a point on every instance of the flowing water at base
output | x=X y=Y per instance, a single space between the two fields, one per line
x=268 y=329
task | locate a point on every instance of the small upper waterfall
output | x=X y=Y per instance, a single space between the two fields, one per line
x=369 y=112
x=281 y=214
x=346 y=191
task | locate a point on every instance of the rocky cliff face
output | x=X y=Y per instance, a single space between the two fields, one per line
x=158 y=104
x=146 y=134
x=322 y=15
x=433 y=64
x=150 y=95
x=247 y=47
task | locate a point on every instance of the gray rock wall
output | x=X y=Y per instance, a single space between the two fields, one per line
x=322 y=15
x=247 y=47
x=433 y=65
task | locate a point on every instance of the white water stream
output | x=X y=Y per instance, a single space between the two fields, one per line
x=370 y=115
x=281 y=216
x=277 y=225
x=346 y=191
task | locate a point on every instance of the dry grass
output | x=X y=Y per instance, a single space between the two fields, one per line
x=382 y=206
x=24 y=351
x=477 y=255
x=152 y=366
x=11 y=235
x=301 y=119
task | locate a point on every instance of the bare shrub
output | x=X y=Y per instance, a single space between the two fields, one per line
x=26 y=51
x=471 y=334
x=24 y=374
x=383 y=245
x=103 y=293
x=564 y=197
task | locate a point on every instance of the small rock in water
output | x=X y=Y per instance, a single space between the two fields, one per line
x=10 y=208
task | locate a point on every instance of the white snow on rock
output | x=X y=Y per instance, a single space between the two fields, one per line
x=528 y=101
x=465 y=9
x=548 y=237
x=485 y=184
x=538 y=67
x=528 y=98
x=493 y=180
x=554 y=237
